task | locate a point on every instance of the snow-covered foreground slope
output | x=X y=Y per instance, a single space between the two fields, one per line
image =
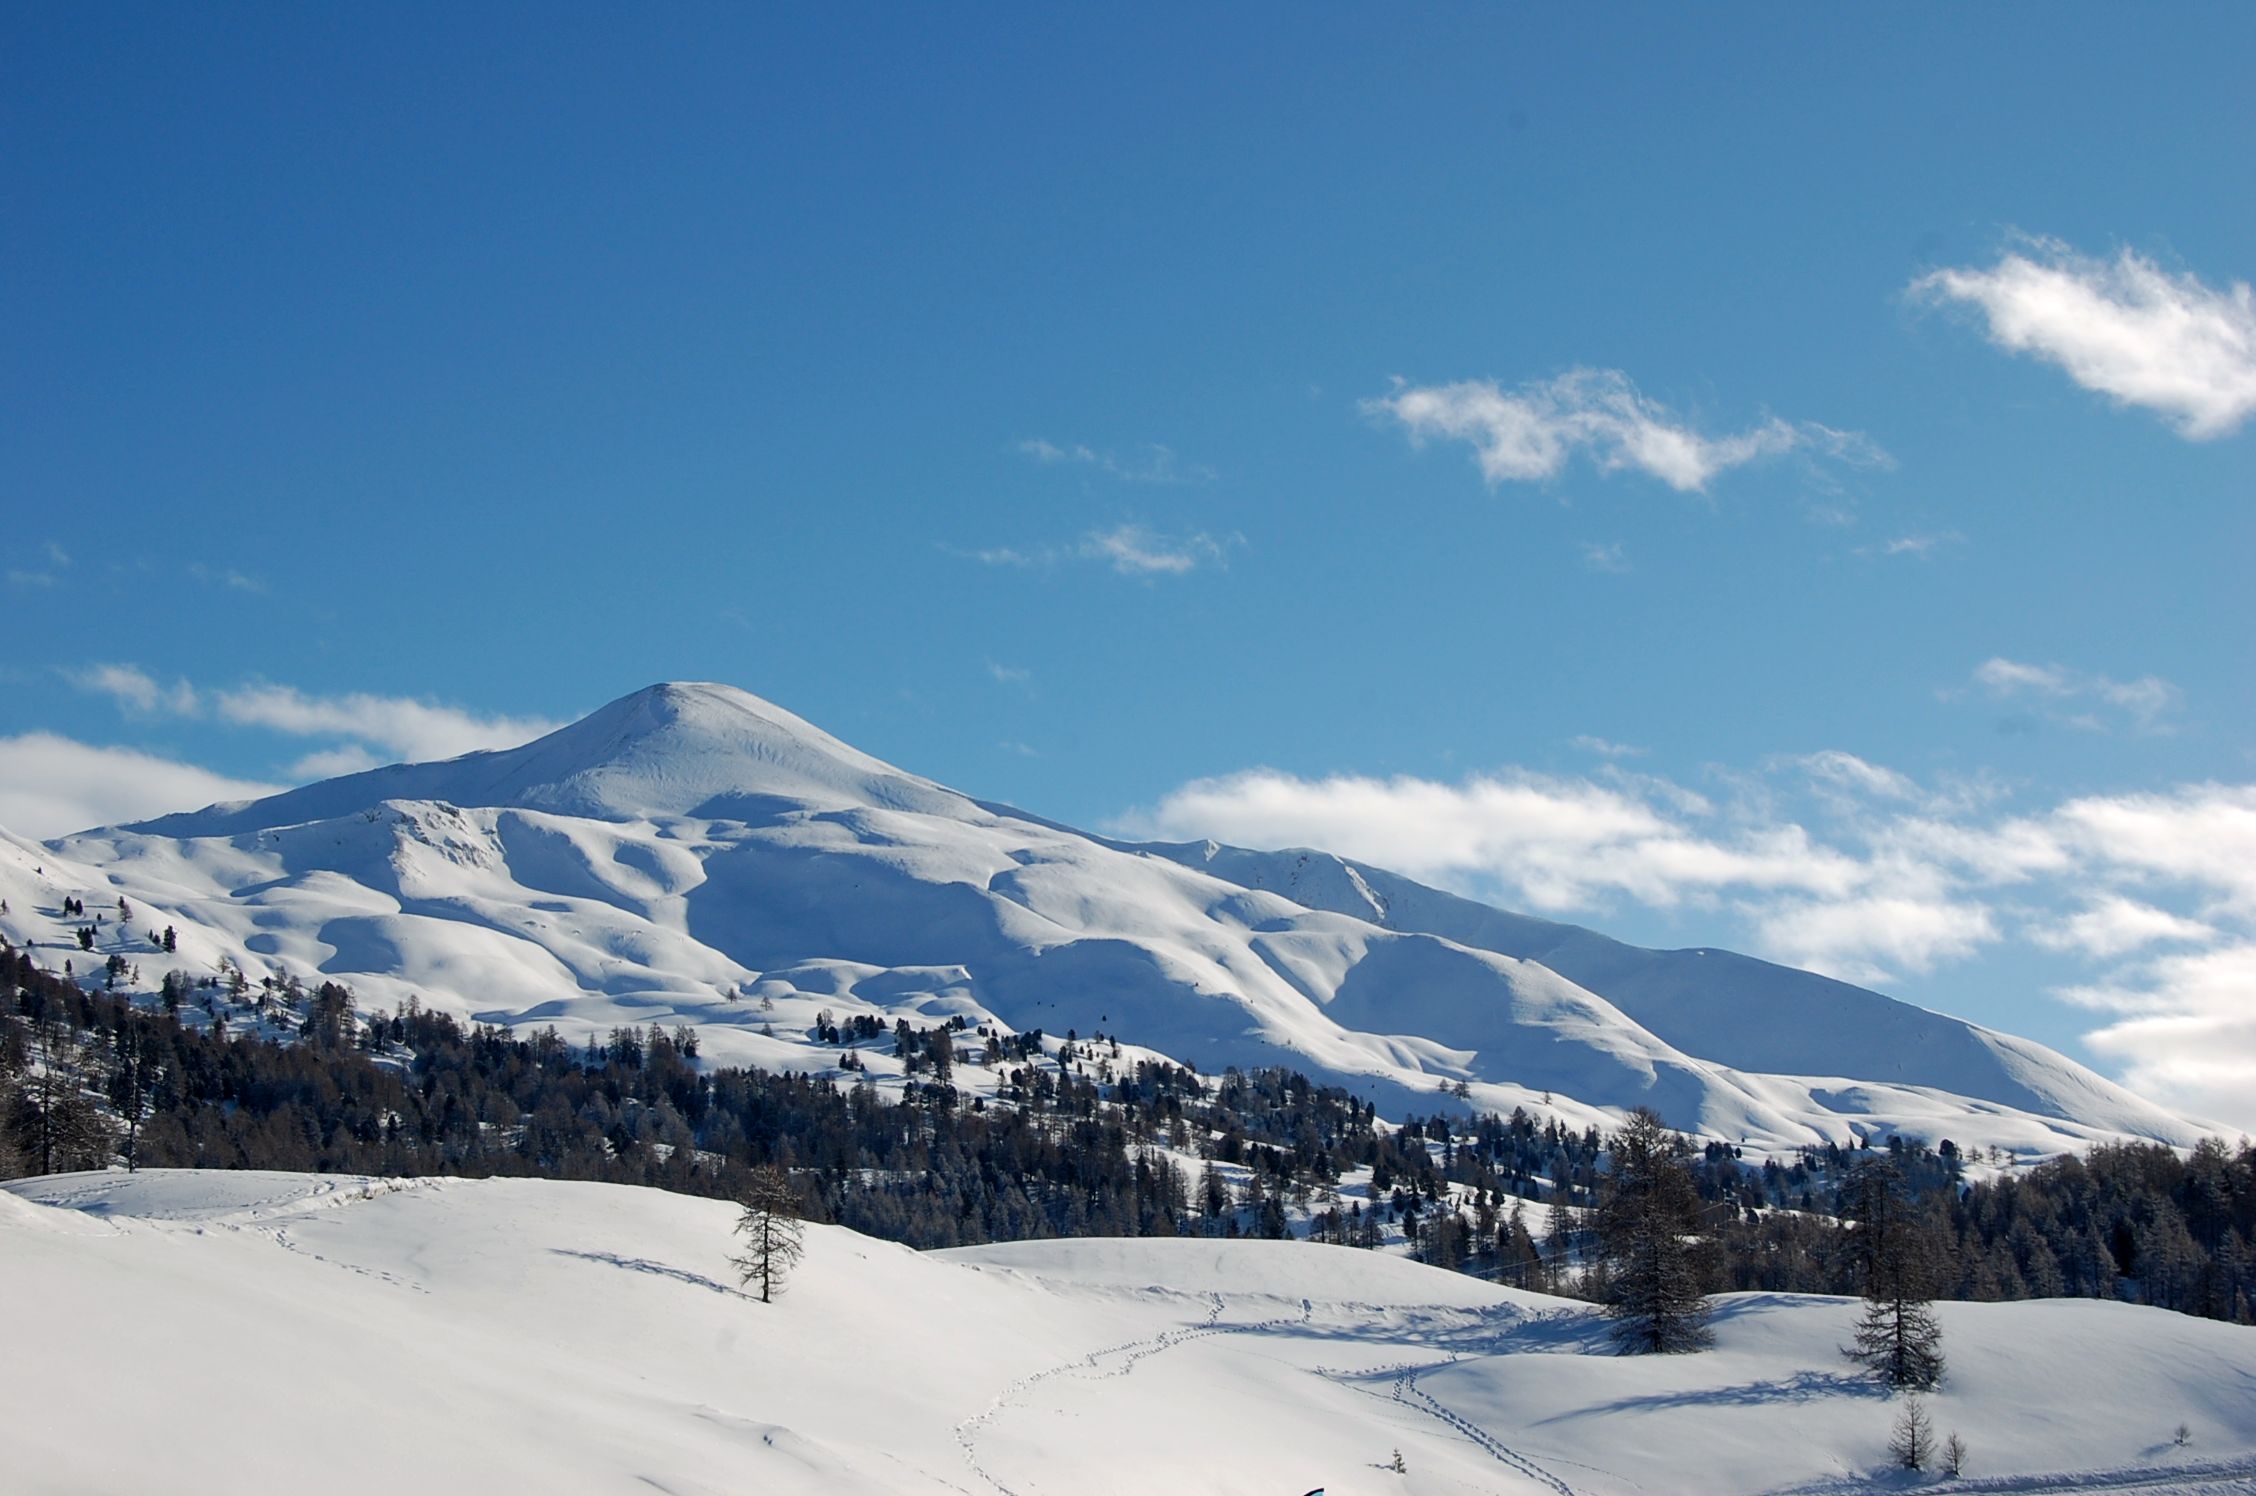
x=233 y=1332
x=693 y=854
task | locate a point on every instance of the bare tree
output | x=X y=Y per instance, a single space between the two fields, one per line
x=771 y=1228
x=1911 y=1443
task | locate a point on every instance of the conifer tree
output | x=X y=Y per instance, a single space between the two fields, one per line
x=1648 y=1218
x=771 y=1229
x=1897 y=1256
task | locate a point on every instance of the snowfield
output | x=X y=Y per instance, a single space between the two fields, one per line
x=242 y=1332
x=692 y=854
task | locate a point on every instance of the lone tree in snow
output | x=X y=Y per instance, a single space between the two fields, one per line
x=770 y=1227
x=1648 y=1220
x=1897 y=1256
x=1911 y=1443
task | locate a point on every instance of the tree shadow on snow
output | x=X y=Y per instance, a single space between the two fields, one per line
x=656 y=1269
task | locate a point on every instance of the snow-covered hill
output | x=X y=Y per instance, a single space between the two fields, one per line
x=692 y=853
x=209 y=1332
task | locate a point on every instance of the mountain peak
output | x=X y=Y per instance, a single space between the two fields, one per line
x=677 y=748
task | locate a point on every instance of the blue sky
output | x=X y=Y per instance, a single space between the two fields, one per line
x=1744 y=477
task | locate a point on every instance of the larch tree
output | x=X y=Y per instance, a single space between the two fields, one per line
x=1648 y=1221
x=771 y=1228
x=1897 y=1255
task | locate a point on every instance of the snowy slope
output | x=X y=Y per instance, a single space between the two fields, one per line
x=208 y=1332
x=1750 y=1014
x=691 y=853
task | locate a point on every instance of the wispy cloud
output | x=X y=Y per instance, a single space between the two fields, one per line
x=2146 y=701
x=1151 y=463
x=371 y=725
x=137 y=690
x=1919 y=547
x=1605 y=556
x=2186 y=1027
x=1130 y=549
x=1529 y=433
x=1605 y=748
x=1133 y=550
x=2112 y=926
x=58 y=561
x=225 y=576
x=1009 y=675
x=2125 y=328
x=51 y=785
x=406 y=727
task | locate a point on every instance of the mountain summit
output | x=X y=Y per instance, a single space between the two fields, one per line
x=688 y=748
x=691 y=853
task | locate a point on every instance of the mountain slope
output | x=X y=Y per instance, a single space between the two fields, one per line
x=1737 y=1010
x=691 y=853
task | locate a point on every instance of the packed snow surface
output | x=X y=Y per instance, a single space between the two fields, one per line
x=694 y=854
x=243 y=1332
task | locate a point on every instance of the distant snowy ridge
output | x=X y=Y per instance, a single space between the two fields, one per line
x=692 y=853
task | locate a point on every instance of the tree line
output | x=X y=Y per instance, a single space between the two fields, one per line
x=1086 y=1143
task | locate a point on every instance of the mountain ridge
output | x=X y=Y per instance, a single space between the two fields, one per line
x=693 y=853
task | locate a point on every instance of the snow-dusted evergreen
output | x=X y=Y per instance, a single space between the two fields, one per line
x=692 y=853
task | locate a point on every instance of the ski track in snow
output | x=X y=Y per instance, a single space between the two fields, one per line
x=269 y=1218
x=1126 y=1356
x=1406 y=1389
x=1091 y=1367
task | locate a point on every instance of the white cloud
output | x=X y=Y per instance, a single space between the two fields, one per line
x=410 y=729
x=51 y=785
x=2188 y=1034
x=1130 y=549
x=1605 y=748
x=1836 y=767
x=1836 y=863
x=224 y=576
x=2146 y=699
x=1133 y=550
x=2114 y=926
x=1529 y=433
x=1607 y=557
x=372 y=726
x=1867 y=939
x=1152 y=464
x=1920 y=547
x=332 y=763
x=1010 y=675
x=1556 y=844
x=2125 y=328
x=2202 y=836
x=137 y=690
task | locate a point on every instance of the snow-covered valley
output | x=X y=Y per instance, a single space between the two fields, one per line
x=198 y=1332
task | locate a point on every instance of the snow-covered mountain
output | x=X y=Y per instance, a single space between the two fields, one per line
x=234 y=1331
x=692 y=853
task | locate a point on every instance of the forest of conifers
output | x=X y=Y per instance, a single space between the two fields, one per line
x=1082 y=1143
